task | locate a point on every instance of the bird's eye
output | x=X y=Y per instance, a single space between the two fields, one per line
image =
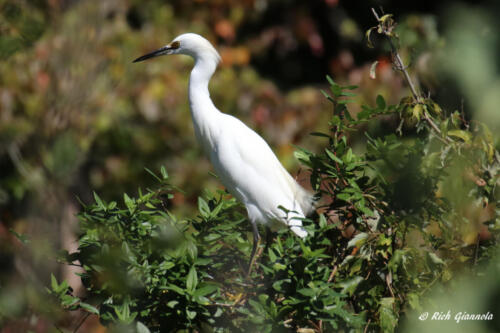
x=175 y=45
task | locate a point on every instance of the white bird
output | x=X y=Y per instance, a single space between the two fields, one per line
x=243 y=161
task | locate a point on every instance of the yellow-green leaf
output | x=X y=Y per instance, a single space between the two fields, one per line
x=417 y=111
x=464 y=135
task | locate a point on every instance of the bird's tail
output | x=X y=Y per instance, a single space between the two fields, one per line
x=304 y=198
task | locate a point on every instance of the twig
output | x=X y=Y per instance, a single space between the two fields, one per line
x=434 y=126
x=367 y=324
x=81 y=322
x=332 y=274
x=388 y=281
x=313 y=324
x=402 y=68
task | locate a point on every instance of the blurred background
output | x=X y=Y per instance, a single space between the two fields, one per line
x=77 y=116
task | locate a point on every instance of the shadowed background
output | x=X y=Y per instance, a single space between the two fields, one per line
x=77 y=116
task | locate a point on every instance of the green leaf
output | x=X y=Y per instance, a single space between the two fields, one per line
x=358 y=240
x=67 y=300
x=152 y=174
x=175 y=288
x=203 y=207
x=192 y=251
x=278 y=266
x=99 y=202
x=348 y=156
x=333 y=157
x=58 y=288
x=327 y=96
x=464 y=135
x=417 y=111
x=344 y=196
x=346 y=101
x=319 y=134
x=330 y=80
x=278 y=284
x=89 y=308
x=336 y=90
x=205 y=290
x=272 y=255
x=130 y=203
x=164 y=173
x=141 y=328
x=385 y=18
x=350 y=285
x=123 y=313
x=302 y=156
x=192 y=280
x=172 y=304
x=397 y=259
x=388 y=318
x=380 y=102
x=435 y=259
x=23 y=238
x=365 y=113
x=322 y=221
x=368 y=35
x=307 y=292
x=190 y=314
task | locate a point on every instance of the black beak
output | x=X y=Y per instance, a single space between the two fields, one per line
x=153 y=54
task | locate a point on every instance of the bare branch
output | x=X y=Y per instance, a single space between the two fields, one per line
x=402 y=68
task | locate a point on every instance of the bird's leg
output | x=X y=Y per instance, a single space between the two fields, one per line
x=256 y=243
x=269 y=238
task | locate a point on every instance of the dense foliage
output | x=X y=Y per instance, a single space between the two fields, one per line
x=416 y=208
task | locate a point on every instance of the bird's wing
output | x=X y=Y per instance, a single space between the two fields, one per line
x=252 y=164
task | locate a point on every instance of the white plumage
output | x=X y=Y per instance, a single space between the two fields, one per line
x=244 y=162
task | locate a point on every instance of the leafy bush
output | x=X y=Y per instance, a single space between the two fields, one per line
x=415 y=209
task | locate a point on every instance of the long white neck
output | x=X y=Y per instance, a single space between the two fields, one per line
x=203 y=111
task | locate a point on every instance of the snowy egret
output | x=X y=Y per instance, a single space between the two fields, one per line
x=243 y=161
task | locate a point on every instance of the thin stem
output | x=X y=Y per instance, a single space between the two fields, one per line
x=434 y=126
x=367 y=325
x=388 y=281
x=375 y=14
x=81 y=322
x=332 y=274
x=401 y=67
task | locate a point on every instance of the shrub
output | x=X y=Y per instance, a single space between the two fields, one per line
x=415 y=209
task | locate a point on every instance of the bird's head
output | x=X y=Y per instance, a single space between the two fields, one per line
x=189 y=44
